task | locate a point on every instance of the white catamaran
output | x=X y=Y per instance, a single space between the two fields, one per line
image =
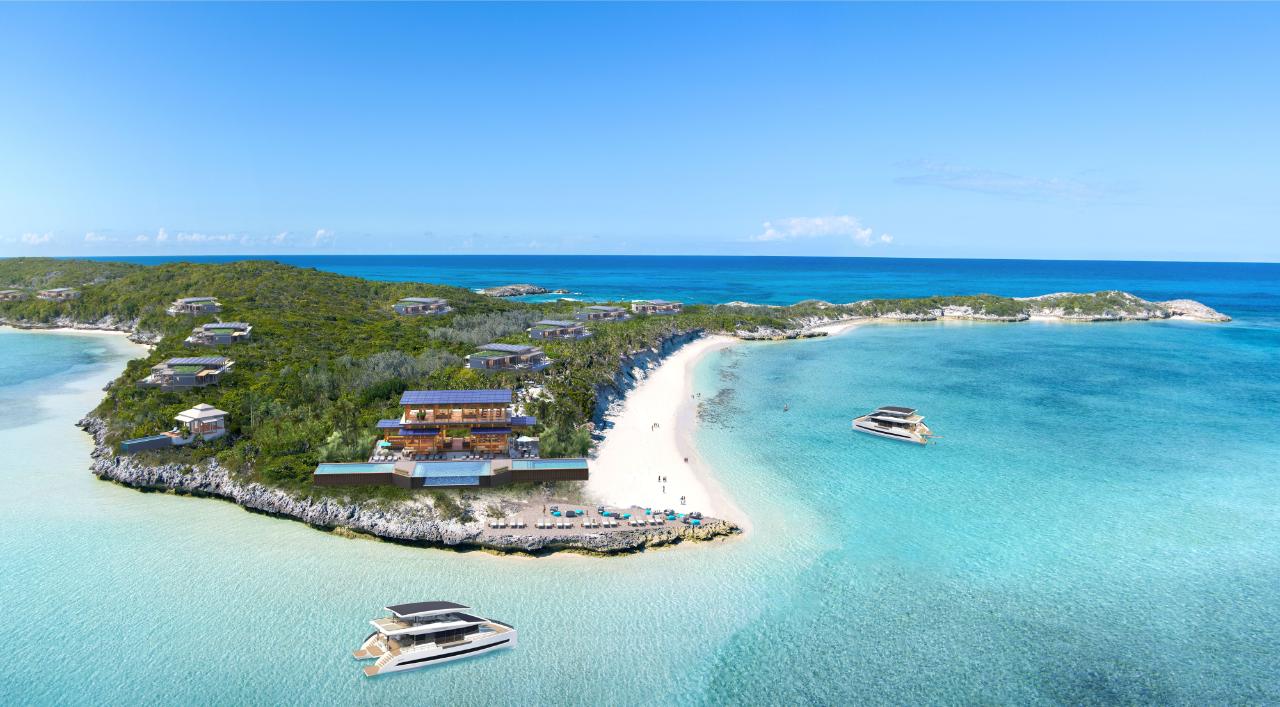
x=430 y=632
x=895 y=423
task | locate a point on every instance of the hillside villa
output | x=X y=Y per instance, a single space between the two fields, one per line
x=194 y=306
x=218 y=333
x=58 y=294
x=12 y=295
x=187 y=373
x=558 y=329
x=453 y=439
x=417 y=306
x=602 y=312
x=203 y=422
x=508 y=357
x=655 y=306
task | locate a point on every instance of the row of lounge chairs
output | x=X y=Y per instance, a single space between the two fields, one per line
x=507 y=523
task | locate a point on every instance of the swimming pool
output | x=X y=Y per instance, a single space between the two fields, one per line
x=357 y=468
x=527 y=464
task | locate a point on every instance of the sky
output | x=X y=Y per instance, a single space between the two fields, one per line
x=1094 y=131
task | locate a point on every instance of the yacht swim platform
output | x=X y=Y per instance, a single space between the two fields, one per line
x=894 y=422
x=419 y=634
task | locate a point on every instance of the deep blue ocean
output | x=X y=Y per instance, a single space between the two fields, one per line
x=1098 y=523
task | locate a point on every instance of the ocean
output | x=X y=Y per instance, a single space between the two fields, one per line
x=1098 y=522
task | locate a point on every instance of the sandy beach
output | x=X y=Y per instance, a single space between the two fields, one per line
x=635 y=453
x=840 y=327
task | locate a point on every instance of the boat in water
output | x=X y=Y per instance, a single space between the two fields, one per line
x=424 y=633
x=894 y=422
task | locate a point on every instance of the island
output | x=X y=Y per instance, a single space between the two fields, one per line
x=333 y=376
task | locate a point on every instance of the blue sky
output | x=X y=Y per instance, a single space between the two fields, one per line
x=1040 y=131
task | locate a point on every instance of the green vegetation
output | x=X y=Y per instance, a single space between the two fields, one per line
x=329 y=357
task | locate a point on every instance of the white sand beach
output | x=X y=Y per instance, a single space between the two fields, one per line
x=840 y=327
x=634 y=453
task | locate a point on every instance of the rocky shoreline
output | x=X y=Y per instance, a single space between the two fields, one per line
x=108 y=323
x=414 y=522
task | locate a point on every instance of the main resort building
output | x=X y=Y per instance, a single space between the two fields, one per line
x=455 y=439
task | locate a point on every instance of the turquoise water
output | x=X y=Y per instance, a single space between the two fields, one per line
x=1099 y=522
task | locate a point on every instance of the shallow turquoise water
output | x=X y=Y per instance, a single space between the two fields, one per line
x=1098 y=523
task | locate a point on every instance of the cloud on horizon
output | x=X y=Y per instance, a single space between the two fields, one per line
x=800 y=227
x=1003 y=184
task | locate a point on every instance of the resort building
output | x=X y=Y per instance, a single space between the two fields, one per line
x=558 y=329
x=453 y=439
x=416 y=306
x=602 y=312
x=187 y=373
x=508 y=357
x=203 y=422
x=195 y=306
x=441 y=421
x=656 y=306
x=59 y=294
x=12 y=295
x=219 y=333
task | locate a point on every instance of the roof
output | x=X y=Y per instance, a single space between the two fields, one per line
x=419 y=607
x=423 y=300
x=605 y=308
x=523 y=420
x=203 y=411
x=558 y=322
x=193 y=300
x=419 y=432
x=61 y=289
x=442 y=397
x=490 y=430
x=225 y=325
x=388 y=424
x=509 y=348
x=895 y=408
x=197 y=361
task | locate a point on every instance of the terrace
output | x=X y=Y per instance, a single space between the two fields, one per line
x=558 y=329
x=656 y=306
x=186 y=373
x=58 y=294
x=219 y=333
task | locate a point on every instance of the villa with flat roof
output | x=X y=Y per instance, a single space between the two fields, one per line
x=465 y=421
x=58 y=294
x=194 y=306
x=508 y=357
x=558 y=329
x=656 y=306
x=420 y=306
x=12 y=295
x=187 y=373
x=602 y=312
x=203 y=422
x=219 y=333
x=453 y=439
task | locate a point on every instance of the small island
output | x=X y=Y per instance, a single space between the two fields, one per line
x=333 y=375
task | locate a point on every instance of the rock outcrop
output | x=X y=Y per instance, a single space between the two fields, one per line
x=518 y=290
x=107 y=323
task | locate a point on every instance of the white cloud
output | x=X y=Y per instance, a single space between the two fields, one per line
x=323 y=237
x=162 y=235
x=92 y=237
x=795 y=227
x=205 y=237
x=36 y=238
x=280 y=237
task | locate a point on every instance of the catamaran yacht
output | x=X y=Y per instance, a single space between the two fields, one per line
x=430 y=632
x=895 y=423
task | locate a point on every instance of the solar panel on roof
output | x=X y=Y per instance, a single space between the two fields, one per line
x=444 y=397
x=197 y=361
x=558 y=322
x=510 y=348
x=423 y=300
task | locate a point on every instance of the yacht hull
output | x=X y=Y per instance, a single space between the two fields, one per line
x=432 y=654
x=861 y=424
